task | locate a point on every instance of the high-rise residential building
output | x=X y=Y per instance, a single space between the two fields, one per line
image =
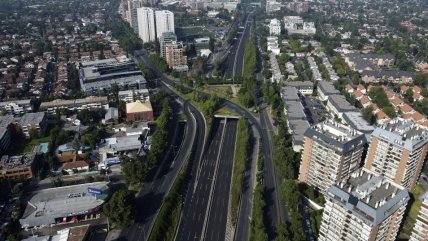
x=166 y=38
x=164 y=22
x=363 y=207
x=146 y=24
x=397 y=151
x=275 y=27
x=174 y=53
x=331 y=153
x=133 y=14
x=420 y=230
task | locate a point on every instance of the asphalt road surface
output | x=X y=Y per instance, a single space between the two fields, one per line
x=239 y=56
x=196 y=204
x=218 y=210
x=234 y=61
x=150 y=197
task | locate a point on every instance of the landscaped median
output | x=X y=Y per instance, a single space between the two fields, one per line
x=169 y=215
x=257 y=227
x=241 y=155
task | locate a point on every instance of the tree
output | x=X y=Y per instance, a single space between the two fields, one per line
x=408 y=96
x=368 y=115
x=389 y=111
x=133 y=171
x=120 y=208
x=421 y=79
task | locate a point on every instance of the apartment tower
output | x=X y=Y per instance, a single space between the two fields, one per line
x=146 y=24
x=164 y=22
x=166 y=38
x=331 y=153
x=420 y=230
x=174 y=53
x=366 y=206
x=397 y=151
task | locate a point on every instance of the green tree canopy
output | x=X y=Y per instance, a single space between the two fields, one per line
x=120 y=208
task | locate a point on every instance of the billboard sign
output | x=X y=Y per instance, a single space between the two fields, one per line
x=94 y=190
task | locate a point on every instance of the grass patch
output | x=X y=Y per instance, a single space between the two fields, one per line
x=410 y=219
x=22 y=145
x=241 y=155
x=225 y=111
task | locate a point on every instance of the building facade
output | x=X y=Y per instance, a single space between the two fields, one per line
x=363 y=207
x=174 y=53
x=18 y=167
x=146 y=24
x=166 y=38
x=164 y=22
x=139 y=111
x=275 y=27
x=331 y=153
x=397 y=151
x=420 y=230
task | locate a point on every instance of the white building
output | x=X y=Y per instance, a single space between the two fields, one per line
x=363 y=207
x=275 y=27
x=272 y=45
x=146 y=24
x=397 y=151
x=164 y=22
x=420 y=230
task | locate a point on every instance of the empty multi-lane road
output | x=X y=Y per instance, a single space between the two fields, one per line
x=209 y=190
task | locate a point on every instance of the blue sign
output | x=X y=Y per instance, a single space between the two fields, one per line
x=94 y=190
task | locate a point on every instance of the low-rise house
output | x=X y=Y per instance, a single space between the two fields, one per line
x=111 y=116
x=349 y=89
x=139 y=111
x=365 y=101
x=76 y=165
x=406 y=109
x=381 y=117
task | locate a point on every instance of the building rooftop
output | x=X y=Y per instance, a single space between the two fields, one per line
x=75 y=102
x=298 y=128
x=138 y=106
x=368 y=196
x=49 y=204
x=121 y=143
x=356 y=121
x=18 y=102
x=327 y=88
x=301 y=84
x=289 y=93
x=404 y=133
x=9 y=163
x=338 y=136
x=341 y=104
x=4 y=123
x=31 y=118
x=295 y=110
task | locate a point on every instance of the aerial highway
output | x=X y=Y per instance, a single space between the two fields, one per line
x=234 y=60
x=150 y=197
x=209 y=189
x=218 y=214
